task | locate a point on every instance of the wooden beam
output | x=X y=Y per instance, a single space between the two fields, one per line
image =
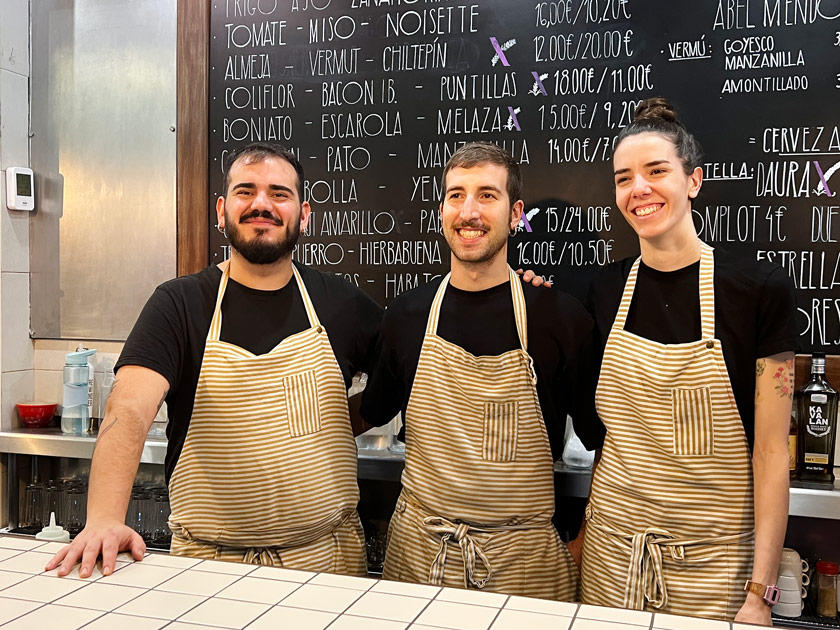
x=191 y=150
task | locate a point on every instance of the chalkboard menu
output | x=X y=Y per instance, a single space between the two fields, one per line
x=373 y=96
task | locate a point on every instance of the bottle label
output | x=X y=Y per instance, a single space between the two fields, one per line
x=75 y=395
x=819 y=398
x=817 y=424
x=816 y=458
x=791 y=452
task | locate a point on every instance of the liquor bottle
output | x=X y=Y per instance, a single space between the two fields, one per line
x=793 y=438
x=817 y=419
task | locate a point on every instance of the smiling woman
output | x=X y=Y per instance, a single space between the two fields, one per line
x=657 y=174
x=690 y=412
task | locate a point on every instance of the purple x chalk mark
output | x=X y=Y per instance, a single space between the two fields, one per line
x=525 y=221
x=499 y=51
x=822 y=179
x=539 y=82
x=515 y=121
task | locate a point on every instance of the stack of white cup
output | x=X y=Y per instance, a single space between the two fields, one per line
x=793 y=578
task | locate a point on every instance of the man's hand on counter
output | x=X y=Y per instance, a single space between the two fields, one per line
x=105 y=539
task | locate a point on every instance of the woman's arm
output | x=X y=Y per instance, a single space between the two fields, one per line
x=773 y=395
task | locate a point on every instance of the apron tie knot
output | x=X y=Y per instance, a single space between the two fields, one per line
x=645 y=578
x=461 y=531
x=471 y=551
x=645 y=574
x=263 y=556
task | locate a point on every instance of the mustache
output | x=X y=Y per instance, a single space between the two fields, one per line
x=260 y=214
x=471 y=224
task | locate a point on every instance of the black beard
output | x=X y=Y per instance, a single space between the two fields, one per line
x=259 y=251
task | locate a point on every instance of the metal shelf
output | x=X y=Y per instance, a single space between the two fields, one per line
x=810 y=500
x=385 y=465
x=54 y=443
x=815 y=500
x=374 y=463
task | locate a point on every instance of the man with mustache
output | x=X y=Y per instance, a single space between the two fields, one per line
x=484 y=371
x=253 y=357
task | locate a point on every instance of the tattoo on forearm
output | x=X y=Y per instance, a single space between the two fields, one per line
x=760 y=365
x=105 y=429
x=784 y=380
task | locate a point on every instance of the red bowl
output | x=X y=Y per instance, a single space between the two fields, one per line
x=36 y=414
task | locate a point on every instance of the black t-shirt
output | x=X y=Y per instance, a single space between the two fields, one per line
x=171 y=332
x=755 y=312
x=561 y=341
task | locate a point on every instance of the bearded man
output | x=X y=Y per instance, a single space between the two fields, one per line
x=484 y=371
x=253 y=357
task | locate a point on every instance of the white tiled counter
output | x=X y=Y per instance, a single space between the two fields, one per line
x=182 y=593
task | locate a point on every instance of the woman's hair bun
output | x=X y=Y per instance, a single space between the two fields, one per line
x=658 y=116
x=656 y=108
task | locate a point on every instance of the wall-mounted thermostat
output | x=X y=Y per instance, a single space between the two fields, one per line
x=20 y=188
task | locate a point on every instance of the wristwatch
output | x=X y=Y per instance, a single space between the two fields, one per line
x=770 y=594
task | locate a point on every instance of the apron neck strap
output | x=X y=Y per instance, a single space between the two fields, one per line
x=627 y=296
x=434 y=313
x=216 y=323
x=707 y=292
x=519 y=311
x=706 y=282
x=314 y=322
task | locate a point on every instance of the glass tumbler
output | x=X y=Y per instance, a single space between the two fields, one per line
x=139 y=515
x=76 y=510
x=32 y=519
x=161 y=535
x=53 y=502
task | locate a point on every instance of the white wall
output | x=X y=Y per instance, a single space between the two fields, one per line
x=27 y=370
x=16 y=348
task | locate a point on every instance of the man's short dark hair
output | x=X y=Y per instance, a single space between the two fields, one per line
x=478 y=153
x=258 y=152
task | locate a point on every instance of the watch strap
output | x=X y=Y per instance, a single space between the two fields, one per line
x=770 y=594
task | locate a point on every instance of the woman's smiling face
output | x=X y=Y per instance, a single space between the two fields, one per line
x=652 y=190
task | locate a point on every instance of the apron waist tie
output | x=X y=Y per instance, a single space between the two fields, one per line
x=645 y=578
x=459 y=532
x=265 y=556
x=265 y=548
x=471 y=551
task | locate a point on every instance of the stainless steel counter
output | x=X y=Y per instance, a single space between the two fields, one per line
x=382 y=464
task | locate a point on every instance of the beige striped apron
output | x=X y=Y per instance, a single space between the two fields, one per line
x=267 y=473
x=478 y=484
x=670 y=517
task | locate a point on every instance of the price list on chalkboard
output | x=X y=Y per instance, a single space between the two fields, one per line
x=373 y=96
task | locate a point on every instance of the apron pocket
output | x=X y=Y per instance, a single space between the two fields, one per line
x=693 y=427
x=301 y=400
x=501 y=425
